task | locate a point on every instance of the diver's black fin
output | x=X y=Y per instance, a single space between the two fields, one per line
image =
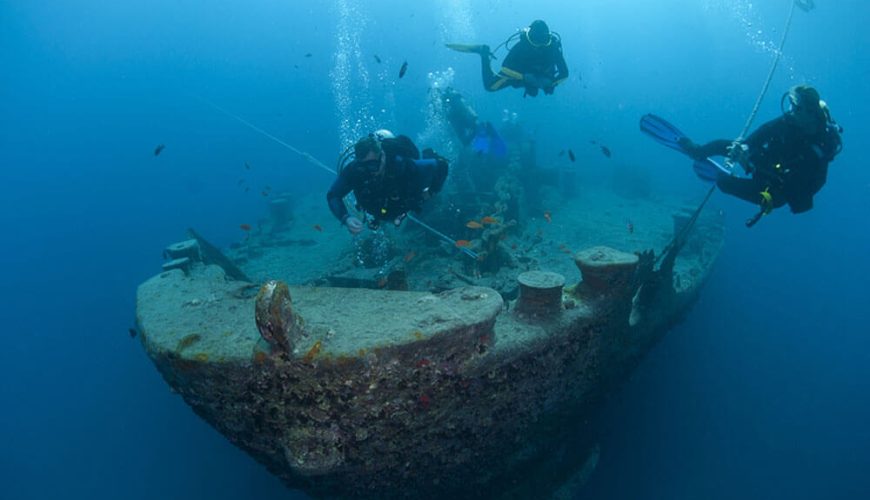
x=470 y=48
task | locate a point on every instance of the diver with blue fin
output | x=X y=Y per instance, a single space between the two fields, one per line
x=534 y=61
x=785 y=160
x=480 y=136
x=389 y=178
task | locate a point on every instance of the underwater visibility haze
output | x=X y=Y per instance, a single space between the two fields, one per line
x=124 y=124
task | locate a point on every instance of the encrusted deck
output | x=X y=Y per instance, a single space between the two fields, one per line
x=207 y=317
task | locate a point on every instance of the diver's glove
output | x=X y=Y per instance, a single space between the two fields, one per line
x=430 y=154
x=738 y=152
x=442 y=162
x=549 y=89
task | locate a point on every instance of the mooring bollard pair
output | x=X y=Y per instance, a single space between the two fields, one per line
x=606 y=274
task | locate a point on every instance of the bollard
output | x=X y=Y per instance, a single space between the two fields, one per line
x=540 y=293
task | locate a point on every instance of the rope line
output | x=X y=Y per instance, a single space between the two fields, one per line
x=767 y=81
x=307 y=156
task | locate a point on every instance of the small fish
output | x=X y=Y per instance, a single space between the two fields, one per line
x=548 y=217
x=630 y=226
x=473 y=224
x=133 y=332
x=241 y=181
x=403 y=69
x=247 y=167
x=604 y=149
x=561 y=153
x=489 y=220
x=571 y=155
x=377 y=59
x=159 y=149
x=313 y=352
x=318 y=228
x=308 y=54
x=410 y=256
x=247 y=189
x=463 y=243
x=424 y=401
x=264 y=192
x=245 y=227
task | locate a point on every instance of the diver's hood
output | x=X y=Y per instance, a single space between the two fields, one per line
x=801 y=97
x=538 y=33
x=383 y=134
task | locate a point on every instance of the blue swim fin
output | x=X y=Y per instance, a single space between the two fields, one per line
x=480 y=143
x=710 y=170
x=662 y=131
x=665 y=133
x=487 y=141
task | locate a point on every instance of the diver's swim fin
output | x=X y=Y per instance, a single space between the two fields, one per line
x=665 y=133
x=470 y=48
x=480 y=144
x=662 y=132
x=710 y=170
x=487 y=141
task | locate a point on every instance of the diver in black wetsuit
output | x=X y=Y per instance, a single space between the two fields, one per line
x=388 y=178
x=535 y=62
x=460 y=115
x=480 y=135
x=787 y=158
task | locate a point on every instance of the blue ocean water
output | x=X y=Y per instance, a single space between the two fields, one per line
x=761 y=392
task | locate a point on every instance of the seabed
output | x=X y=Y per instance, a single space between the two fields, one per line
x=394 y=366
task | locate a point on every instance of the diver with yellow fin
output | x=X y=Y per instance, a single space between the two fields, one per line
x=785 y=160
x=534 y=61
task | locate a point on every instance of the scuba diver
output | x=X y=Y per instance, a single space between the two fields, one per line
x=786 y=159
x=388 y=177
x=535 y=61
x=481 y=136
